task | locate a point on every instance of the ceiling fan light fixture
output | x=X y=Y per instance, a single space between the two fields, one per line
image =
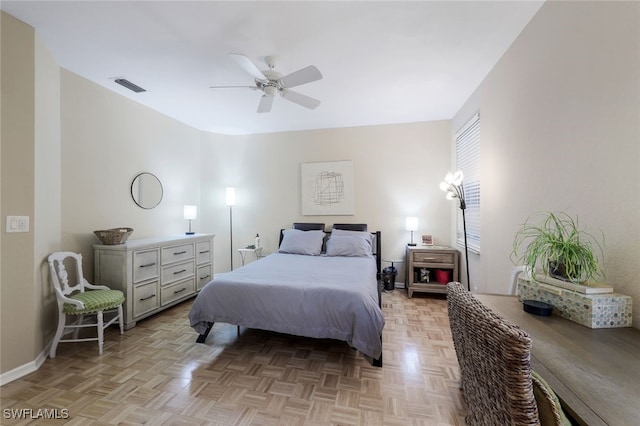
x=270 y=90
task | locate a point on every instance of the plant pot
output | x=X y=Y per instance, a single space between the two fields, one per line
x=558 y=270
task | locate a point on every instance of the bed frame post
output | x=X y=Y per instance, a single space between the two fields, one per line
x=378 y=253
x=201 y=338
x=378 y=362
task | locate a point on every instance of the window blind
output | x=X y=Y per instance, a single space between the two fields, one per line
x=468 y=160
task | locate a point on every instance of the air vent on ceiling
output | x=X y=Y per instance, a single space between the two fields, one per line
x=129 y=85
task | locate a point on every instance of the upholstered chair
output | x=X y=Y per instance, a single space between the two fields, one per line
x=80 y=299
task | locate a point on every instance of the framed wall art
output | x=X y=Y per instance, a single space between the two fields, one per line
x=327 y=188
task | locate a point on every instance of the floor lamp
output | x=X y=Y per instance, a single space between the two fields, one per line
x=452 y=185
x=231 y=201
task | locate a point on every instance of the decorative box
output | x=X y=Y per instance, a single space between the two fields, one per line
x=609 y=310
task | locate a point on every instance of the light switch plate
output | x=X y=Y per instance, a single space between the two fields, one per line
x=17 y=224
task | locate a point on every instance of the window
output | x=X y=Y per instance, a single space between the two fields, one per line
x=468 y=160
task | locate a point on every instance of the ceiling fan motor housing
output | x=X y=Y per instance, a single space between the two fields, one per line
x=270 y=89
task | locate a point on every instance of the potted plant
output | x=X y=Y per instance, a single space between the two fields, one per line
x=555 y=244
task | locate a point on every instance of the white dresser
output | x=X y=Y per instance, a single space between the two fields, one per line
x=155 y=273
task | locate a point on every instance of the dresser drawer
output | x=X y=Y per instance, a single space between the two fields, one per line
x=177 y=253
x=203 y=252
x=146 y=298
x=433 y=258
x=171 y=274
x=203 y=276
x=145 y=265
x=176 y=291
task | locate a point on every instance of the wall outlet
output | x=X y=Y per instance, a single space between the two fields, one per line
x=17 y=224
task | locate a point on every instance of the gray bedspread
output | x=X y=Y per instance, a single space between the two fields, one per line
x=311 y=296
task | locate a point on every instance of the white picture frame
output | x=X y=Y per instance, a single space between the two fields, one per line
x=327 y=188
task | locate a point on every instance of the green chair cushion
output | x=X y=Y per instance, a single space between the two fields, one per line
x=94 y=301
x=549 y=409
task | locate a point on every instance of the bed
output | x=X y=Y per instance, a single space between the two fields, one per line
x=317 y=285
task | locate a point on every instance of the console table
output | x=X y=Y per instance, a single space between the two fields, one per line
x=594 y=372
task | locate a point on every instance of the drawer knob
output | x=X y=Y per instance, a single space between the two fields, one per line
x=179 y=252
x=179 y=272
x=148 y=264
x=206 y=277
x=180 y=291
x=203 y=252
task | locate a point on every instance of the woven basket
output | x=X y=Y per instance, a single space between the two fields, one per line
x=113 y=236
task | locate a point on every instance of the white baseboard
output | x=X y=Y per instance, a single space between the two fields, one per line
x=25 y=369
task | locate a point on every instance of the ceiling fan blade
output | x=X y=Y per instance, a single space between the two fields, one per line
x=248 y=66
x=265 y=103
x=234 y=87
x=300 y=99
x=303 y=76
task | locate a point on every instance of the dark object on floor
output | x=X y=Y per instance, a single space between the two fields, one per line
x=389 y=277
x=537 y=308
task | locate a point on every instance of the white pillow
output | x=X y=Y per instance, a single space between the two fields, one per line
x=348 y=245
x=295 y=241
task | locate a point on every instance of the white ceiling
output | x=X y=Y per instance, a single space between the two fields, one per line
x=382 y=62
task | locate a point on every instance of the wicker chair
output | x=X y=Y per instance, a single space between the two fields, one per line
x=494 y=358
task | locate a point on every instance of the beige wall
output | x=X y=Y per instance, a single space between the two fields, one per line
x=561 y=131
x=107 y=140
x=397 y=170
x=47 y=190
x=18 y=145
x=30 y=187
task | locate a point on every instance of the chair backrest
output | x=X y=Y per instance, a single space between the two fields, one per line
x=494 y=357
x=58 y=263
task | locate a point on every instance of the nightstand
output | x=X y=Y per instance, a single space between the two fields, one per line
x=256 y=251
x=430 y=268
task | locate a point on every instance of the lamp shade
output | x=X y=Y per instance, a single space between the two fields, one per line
x=412 y=223
x=230 y=198
x=190 y=212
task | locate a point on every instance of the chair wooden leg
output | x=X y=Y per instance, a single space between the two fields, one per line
x=62 y=320
x=77 y=330
x=120 y=319
x=100 y=332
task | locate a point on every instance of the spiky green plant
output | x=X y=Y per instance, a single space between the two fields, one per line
x=556 y=242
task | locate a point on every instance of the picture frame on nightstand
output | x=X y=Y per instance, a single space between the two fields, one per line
x=427 y=240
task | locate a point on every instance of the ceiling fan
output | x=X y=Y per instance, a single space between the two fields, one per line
x=271 y=82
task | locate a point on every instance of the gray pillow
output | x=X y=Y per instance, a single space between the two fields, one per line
x=348 y=245
x=362 y=234
x=295 y=241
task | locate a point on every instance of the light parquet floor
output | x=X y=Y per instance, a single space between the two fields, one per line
x=155 y=374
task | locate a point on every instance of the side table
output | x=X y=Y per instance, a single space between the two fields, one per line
x=256 y=251
x=430 y=268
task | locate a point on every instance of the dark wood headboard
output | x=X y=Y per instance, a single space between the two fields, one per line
x=309 y=226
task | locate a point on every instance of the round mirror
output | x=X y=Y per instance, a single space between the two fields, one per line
x=146 y=190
